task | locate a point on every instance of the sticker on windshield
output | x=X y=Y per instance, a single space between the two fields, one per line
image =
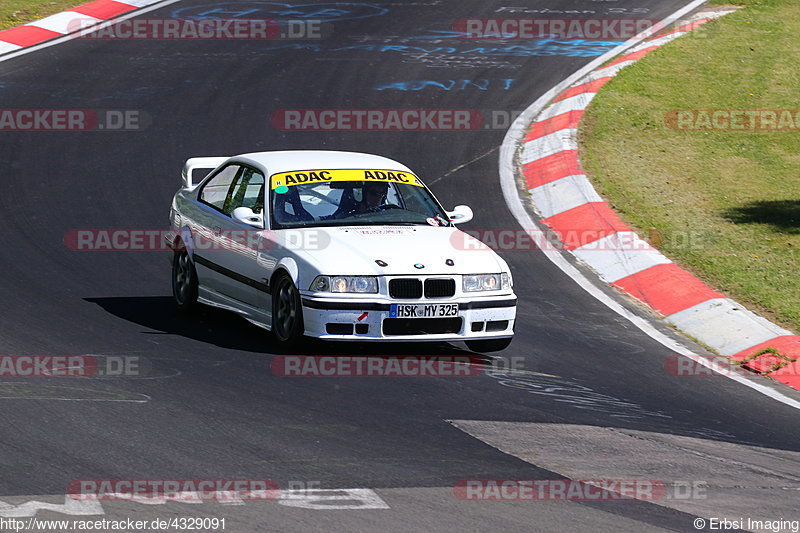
x=361 y=230
x=281 y=182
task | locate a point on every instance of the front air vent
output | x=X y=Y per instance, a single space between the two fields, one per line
x=421 y=326
x=497 y=325
x=335 y=328
x=405 y=288
x=440 y=288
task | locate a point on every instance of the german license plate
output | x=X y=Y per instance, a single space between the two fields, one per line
x=422 y=310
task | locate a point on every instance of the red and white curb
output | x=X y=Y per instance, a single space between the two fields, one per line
x=66 y=22
x=567 y=203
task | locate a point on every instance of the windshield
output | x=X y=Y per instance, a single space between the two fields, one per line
x=351 y=197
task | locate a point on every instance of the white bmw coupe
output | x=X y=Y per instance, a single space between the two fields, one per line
x=335 y=245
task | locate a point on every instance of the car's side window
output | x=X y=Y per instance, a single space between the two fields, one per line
x=216 y=190
x=247 y=191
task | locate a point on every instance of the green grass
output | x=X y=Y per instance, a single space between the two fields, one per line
x=16 y=12
x=738 y=192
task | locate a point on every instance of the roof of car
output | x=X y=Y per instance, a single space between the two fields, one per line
x=290 y=160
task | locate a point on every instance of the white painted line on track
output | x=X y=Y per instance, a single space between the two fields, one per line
x=71 y=506
x=8 y=47
x=333 y=499
x=41 y=398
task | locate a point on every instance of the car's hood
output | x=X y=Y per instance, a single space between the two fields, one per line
x=355 y=250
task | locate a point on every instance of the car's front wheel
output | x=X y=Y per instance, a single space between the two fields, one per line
x=287 y=312
x=488 y=345
x=184 y=281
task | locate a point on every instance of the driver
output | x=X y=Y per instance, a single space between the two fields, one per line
x=373 y=195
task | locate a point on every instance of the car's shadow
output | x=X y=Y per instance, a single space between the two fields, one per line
x=228 y=330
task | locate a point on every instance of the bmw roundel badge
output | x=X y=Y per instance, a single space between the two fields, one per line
x=419 y=266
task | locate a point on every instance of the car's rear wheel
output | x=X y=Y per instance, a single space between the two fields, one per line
x=184 y=281
x=287 y=312
x=488 y=345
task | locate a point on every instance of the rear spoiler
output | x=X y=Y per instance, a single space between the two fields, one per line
x=199 y=162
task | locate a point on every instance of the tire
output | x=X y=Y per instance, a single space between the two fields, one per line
x=184 y=281
x=287 y=312
x=489 y=345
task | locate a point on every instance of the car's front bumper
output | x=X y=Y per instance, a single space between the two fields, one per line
x=480 y=318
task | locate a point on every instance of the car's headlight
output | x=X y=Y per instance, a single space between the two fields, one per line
x=485 y=282
x=361 y=284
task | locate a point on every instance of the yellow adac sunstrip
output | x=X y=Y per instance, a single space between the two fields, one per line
x=287 y=179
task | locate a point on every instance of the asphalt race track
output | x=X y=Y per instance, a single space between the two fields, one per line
x=593 y=399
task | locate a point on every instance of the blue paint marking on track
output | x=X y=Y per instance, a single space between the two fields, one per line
x=443 y=35
x=482 y=84
x=322 y=12
x=547 y=47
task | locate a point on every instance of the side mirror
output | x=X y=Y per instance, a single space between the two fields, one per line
x=245 y=215
x=460 y=214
